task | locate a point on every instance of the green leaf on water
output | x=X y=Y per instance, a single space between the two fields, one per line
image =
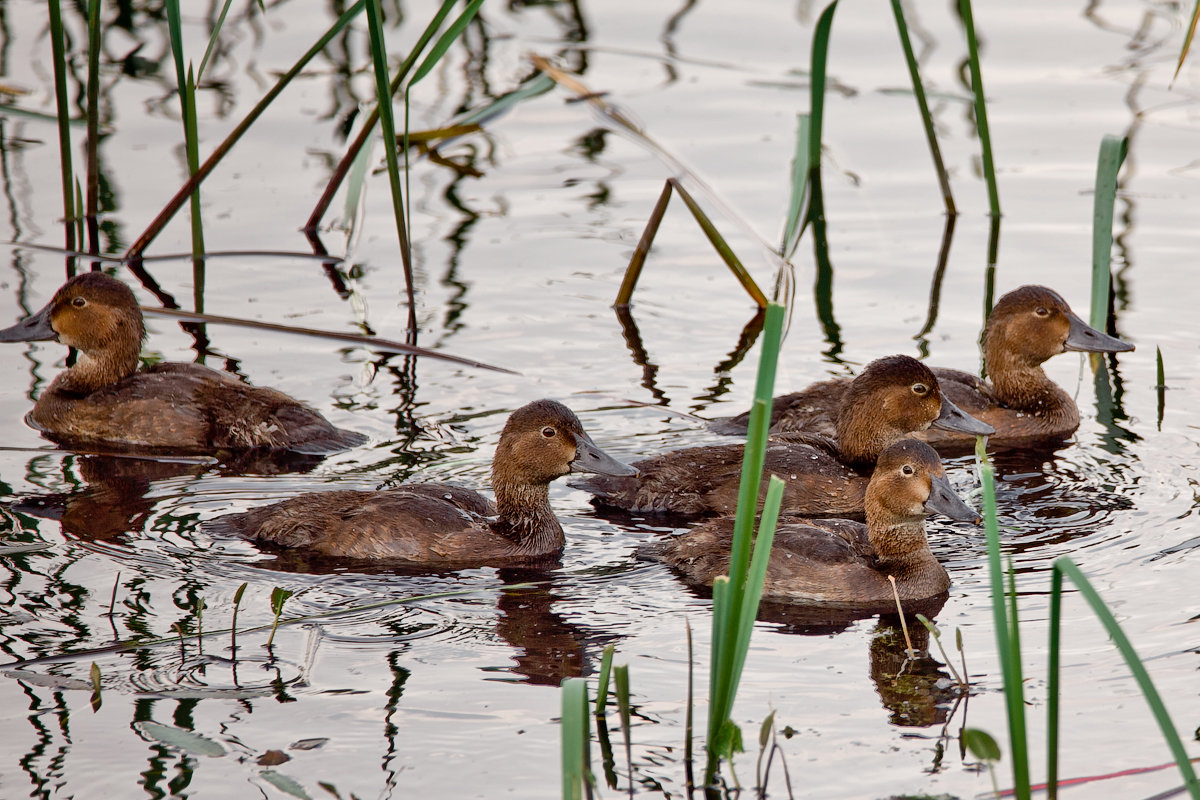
x=279 y=596
x=284 y=784
x=981 y=744
x=729 y=741
x=187 y=741
x=764 y=733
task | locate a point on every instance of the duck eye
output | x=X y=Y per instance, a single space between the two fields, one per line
x=1042 y=311
x=920 y=389
x=549 y=432
x=907 y=470
x=79 y=302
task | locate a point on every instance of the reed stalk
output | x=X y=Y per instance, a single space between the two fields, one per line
x=981 y=121
x=736 y=597
x=61 y=101
x=576 y=737
x=1108 y=165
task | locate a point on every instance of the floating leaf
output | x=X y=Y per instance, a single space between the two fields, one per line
x=284 y=784
x=171 y=736
x=17 y=549
x=95 y=673
x=309 y=744
x=981 y=744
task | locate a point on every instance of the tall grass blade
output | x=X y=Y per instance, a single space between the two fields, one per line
x=602 y=681
x=981 y=121
x=914 y=73
x=621 y=679
x=1108 y=164
x=732 y=597
x=61 y=100
x=720 y=245
x=1065 y=566
x=638 y=261
x=93 y=127
x=575 y=738
x=820 y=56
x=374 y=342
x=212 y=39
x=445 y=40
x=383 y=100
x=175 y=203
x=1005 y=646
x=796 y=214
x=1187 y=40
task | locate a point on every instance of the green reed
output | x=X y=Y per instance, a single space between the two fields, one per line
x=61 y=99
x=914 y=73
x=736 y=597
x=1108 y=165
x=981 y=121
x=577 y=779
x=1187 y=39
x=93 y=127
x=1008 y=644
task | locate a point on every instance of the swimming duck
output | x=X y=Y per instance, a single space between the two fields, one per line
x=433 y=524
x=837 y=561
x=105 y=400
x=1026 y=327
x=893 y=397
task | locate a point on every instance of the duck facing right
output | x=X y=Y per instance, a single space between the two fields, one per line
x=838 y=562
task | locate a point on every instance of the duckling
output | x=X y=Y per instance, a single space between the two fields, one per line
x=837 y=561
x=893 y=397
x=439 y=525
x=1027 y=326
x=105 y=400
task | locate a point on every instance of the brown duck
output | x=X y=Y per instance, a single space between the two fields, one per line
x=438 y=525
x=1027 y=326
x=105 y=400
x=838 y=562
x=892 y=398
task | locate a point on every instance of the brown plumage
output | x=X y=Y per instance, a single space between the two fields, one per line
x=104 y=400
x=1026 y=327
x=837 y=561
x=437 y=524
x=892 y=397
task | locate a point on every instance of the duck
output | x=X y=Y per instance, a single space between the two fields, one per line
x=1027 y=326
x=825 y=476
x=840 y=562
x=442 y=525
x=106 y=401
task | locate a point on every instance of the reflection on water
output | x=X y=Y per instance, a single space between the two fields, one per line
x=521 y=234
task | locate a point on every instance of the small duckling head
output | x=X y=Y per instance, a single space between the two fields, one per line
x=891 y=398
x=1031 y=324
x=544 y=440
x=96 y=314
x=908 y=484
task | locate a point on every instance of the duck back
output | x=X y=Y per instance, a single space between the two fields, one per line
x=428 y=523
x=703 y=481
x=186 y=407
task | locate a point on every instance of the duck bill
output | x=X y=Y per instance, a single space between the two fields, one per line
x=35 y=328
x=590 y=458
x=1084 y=338
x=954 y=418
x=944 y=500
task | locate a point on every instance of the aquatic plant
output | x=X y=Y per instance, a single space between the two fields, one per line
x=1008 y=645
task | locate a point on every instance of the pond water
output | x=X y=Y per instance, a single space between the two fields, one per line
x=457 y=696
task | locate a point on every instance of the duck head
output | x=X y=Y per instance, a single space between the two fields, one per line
x=891 y=398
x=1032 y=324
x=96 y=314
x=909 y=484
x=544 y=440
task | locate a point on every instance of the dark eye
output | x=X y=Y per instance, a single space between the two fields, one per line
x=907 y=470
x=1042 y=311
x=79 y=302
x=920 y=389
x=549 y=432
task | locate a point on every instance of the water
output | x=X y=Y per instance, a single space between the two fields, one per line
x=456 y=696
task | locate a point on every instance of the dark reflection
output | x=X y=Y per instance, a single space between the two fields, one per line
x=113 y=499
x=1110 y=408
x=935 y=288
x=633 y=340
x=823 y=286
x=549 y=647
x=915 y=688
x=668 y=38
